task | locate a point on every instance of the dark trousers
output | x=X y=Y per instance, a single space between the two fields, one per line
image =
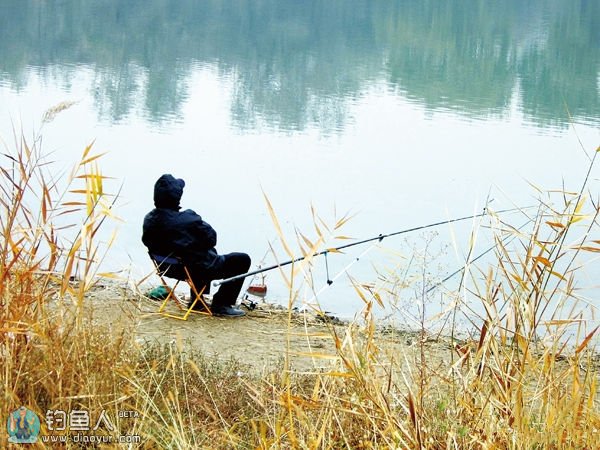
x=232 y=264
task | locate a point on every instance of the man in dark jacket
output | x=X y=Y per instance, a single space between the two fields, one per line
x=169 y=232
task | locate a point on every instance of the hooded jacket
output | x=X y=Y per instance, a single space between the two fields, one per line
x=167 y=231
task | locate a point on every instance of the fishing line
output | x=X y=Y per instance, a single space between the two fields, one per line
x=259 y=265
x=339 y=274
x=329 y=280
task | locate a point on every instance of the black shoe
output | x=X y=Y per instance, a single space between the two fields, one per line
x=227 y=311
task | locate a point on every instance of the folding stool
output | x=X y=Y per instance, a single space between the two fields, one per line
x=162 y=265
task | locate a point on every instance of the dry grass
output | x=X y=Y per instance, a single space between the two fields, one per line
x=515 y=385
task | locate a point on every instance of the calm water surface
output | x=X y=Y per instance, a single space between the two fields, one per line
x=401 y=112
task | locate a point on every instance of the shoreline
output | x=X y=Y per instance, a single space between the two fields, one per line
x=266 y=335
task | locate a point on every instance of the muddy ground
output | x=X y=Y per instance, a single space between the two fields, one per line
x=262 y=338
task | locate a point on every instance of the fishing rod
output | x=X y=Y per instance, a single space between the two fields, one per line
x=379 y=238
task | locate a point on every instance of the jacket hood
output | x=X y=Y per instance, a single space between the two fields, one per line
x=168 y=191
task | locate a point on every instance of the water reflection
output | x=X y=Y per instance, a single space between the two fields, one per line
x=300 y=64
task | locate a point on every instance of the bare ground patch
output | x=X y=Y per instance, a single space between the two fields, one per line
x=261 y=339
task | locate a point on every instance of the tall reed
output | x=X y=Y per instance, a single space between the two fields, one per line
x=50 y=251
x=527 y=378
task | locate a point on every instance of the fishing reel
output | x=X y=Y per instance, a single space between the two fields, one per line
x=249 y=304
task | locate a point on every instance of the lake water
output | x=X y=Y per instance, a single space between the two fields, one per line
x=403 y=113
